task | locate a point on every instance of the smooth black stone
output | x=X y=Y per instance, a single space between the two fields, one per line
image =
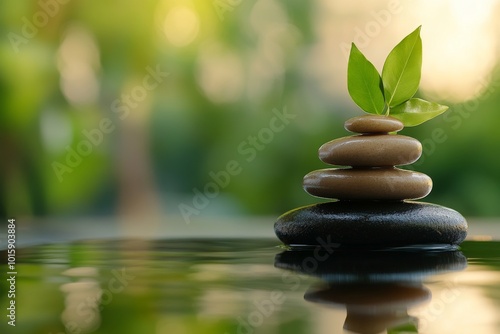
x=376 y=224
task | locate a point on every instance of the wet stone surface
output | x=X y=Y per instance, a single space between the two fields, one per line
x=373 y=207
x=366 y=184
x=371 y=151
x=373 y=124
x=371 y=223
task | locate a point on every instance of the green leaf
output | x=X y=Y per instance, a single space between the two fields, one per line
x=402 y=69
x=416 y=111
x=364 y=83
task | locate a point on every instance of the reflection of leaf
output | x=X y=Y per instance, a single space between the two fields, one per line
x=401 y=72
x=403 y=329
x=416 y=111
x=364 y=83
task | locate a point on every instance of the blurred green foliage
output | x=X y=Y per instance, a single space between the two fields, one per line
x=229 y=68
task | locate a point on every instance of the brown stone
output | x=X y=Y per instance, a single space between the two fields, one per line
x=373 y=124
x=371 y=151
x=367 y=184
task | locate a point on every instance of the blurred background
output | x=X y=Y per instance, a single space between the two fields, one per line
x=217 y=108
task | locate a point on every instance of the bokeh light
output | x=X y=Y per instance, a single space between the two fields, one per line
x=230 y=65
x=181 y=26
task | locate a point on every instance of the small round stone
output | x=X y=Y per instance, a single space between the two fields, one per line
x=373 y=124
x=371 y=151
x=367 y=184
x=369 y=223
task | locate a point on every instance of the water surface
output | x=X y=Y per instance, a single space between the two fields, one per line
x=252 y=286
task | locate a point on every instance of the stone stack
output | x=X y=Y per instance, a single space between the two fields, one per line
x=372 y=156
x=373 y=204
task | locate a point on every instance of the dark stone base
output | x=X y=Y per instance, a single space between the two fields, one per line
x=367 y=266
x=377 y=224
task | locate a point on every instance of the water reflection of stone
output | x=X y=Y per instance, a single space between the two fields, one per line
x=377 y=288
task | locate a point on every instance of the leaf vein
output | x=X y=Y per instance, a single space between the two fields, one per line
x=402 y=72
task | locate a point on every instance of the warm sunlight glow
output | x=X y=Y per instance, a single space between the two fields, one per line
x=468 y=306
x=78 y=62
x=181 y=26
x=458 y=36
x=220 y=73
x=459 y=50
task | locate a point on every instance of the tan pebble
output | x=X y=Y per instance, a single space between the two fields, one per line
x=371 y=151
x=373 y=124
x=367 y=184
